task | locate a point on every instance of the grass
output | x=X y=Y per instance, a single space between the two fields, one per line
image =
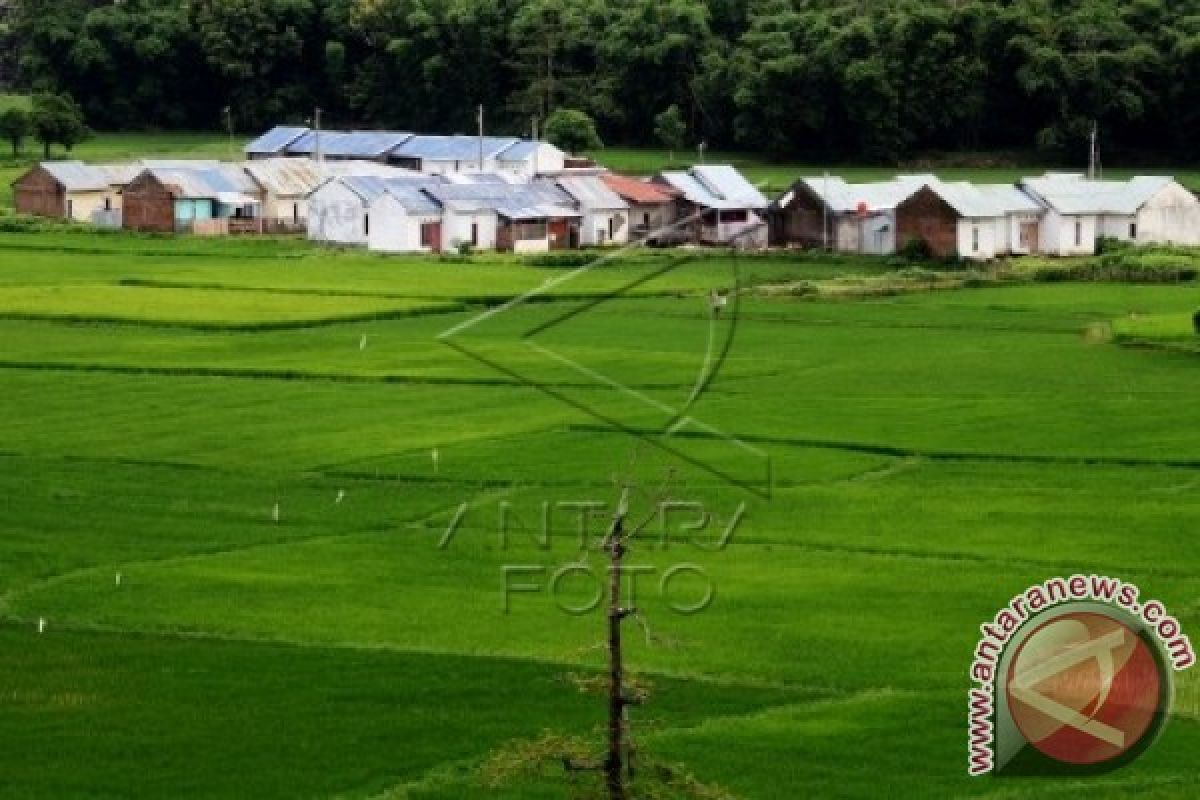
x=217 y=423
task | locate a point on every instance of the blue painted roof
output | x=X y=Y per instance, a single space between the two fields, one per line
x=452 y=148
x=348 y=144
x=520 y=151
x=275 y=140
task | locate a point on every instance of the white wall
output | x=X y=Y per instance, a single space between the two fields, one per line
x=337 y=215
x=873 y=235
x=548 y=159
x=1116 y=226
x=1172 y=216
x=593 y=230
x=394 y=229
x=1057 y=234
x=981 y=229
x=456 y=228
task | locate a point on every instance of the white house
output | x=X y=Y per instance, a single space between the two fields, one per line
x=404 y=219
x=527 y=159
x=340 y=211
x=962 y=220
x=605 y=214
x=827 y=211
x=286 y=183
x=522 y=218
x=729 y=210
x=1145 y=210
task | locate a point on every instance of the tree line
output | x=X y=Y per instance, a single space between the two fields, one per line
x=872 y=80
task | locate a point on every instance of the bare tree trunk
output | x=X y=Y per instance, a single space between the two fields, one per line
x=614 y=764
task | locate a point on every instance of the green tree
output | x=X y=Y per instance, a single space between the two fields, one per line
x=572 y=130
x=671 y=130
x=15 y=125
x=57 y=119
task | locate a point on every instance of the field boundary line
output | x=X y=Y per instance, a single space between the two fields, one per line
x=933 y=454
x=254 y=373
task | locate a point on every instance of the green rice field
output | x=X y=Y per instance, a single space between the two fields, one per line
x=262 y=497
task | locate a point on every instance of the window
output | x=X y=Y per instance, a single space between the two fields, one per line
x=296 y=213
x=366 y=224
x=1078 y=233
x=475 y=234
x=733 y=216
x=70 y=208
x=646 y=218
x=1133 y=230
x=611 y=227
x=975 y=240
x=429 y=232
x=529 y=230
x=108 y=204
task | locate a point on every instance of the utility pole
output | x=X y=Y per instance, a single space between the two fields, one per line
x=614 y=763
x=535 y=145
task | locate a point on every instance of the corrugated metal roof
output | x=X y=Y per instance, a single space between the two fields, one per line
x=286 y=177
x=716 y=186
x=76 y=176
x=275 y=140
x=452 y=148
x=1073 y=193
x=508 y=199
x=522 y=150
x=413 y=199
x=225 y=182
x=591 y=192
x=639 y=192
x=348 y=144
x=297 y=177
x=845 y=198
x=369 y=187
x=1008 y=198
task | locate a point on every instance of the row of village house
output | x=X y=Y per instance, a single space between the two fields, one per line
x=397 y=192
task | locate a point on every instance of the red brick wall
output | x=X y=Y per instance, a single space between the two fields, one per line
x=37 y=192
x=926 y=216
x=148 y=206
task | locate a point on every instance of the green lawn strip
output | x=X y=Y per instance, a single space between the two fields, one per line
x=119 y=715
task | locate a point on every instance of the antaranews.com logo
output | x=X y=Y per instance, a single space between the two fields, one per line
x=1074 y=676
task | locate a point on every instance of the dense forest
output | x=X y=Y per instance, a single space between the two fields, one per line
x=860 y=79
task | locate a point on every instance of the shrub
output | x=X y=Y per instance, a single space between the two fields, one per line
x=915 y=249
x=572 y=258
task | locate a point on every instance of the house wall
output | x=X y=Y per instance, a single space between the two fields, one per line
x=85 y=206
x=1057 y=234
x=1117 y=226
x=290 y=210
x=982 y=232
x=548 y=159
x=337 y=215
x=147 y=205
x=594 y=230
x=395 y=230
x=926 y=216
x=1010 y=240
x=38 y=193
x=1170 y=216
x=645 y=218
x=457 y=229
x=798 y=221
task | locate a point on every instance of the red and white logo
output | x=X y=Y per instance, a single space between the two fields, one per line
x=1084 y=688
